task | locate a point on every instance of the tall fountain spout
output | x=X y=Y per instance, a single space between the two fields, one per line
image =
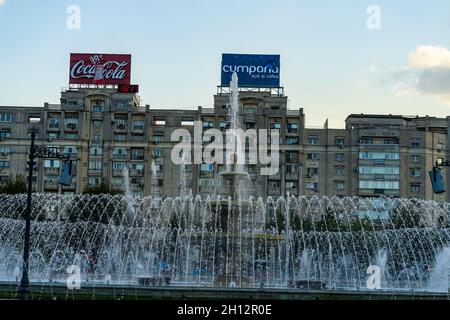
x=235 y=172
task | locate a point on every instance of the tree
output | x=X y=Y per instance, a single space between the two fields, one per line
x=102 y=188
x=14 y=185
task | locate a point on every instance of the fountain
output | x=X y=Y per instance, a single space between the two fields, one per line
x=307 y=243
x=235 y=172
x=185 y=242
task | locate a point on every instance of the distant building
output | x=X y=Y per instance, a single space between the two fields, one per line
x=107 y=131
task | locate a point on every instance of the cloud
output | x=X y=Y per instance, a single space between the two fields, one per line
x=427 y=73
x=425 y=57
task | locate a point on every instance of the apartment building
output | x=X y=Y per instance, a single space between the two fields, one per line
x=108 y=132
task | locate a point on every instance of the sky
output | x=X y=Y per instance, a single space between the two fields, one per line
x=337 y=57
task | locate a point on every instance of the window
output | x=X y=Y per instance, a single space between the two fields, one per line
x=311 y=172
x=54 y=123
x=365 y=140
x=117 y=181
x=95 y=181
x=120 y=137
x=275 y=126
x=369 y=155
x=119 y=165
x=380 y=170
x=292 y=141
x=138 y=125
x=415 y=188
x=98 y=123
x=69 y=151
x=208 y=125
x=380 y=185
x=339 y=142
x=415 y=172
x=250 y=125
x=5 y=117
x=416 y=159
x=120 y=153
x=291 y=169
x=71 y=136
x=158 y=138
x=95 y=165
x=4 y=134
x=159 y=121
x=138 y=166
x=207 y=167
x=54 y=135
x=95 y=151
x=292 y=127
x=275 y=108
x=250 y=110
x=51 y=164
x=71 y=120
x=274 y=184
x=293 y=185
x=137 y=154
x=97 y=138
x=339 y=186
x=339 y=157
x=339 y=171
x=313 y=140
x=312 y=186
x=97 y=109
x=206 y=183
x=291 y=156
x=391 y=141
x=313 y=156
x=5 y=164
x=157 y=153
x=5 y=150
x=415 y=144
x=187 y=122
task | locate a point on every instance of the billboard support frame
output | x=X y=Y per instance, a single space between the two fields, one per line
x=278 y=92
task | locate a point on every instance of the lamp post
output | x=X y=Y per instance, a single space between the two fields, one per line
x=24 y=288
x=42 y=153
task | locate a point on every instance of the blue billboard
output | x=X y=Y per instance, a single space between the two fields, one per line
x=253 y=70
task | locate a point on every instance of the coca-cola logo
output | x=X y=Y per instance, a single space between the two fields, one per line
x=113 y=69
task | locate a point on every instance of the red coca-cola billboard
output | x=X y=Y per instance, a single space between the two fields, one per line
x=100 y=69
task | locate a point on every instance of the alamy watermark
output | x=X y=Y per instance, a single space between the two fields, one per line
x=374 y=280
x=263 y=148
x=73 y=281
x=74 y=18
x=374 y=19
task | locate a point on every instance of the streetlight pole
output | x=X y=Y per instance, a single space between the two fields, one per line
x=24 y=288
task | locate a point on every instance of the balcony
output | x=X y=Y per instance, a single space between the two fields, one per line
x=71 y=127
x=158 y=175
x=51 y=185
x=292 y=176
x=97 y=115
x=54 y=127
x=136 y=173
x=117 y=173
x=249 y=117
x=138 y=129
x=52 y=171
x=117 y=156
x=121 y=127
x=95 y=172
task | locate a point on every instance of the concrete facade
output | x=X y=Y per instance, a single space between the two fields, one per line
x=106 y=131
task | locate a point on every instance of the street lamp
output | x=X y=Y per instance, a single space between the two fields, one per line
x=43 y=153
